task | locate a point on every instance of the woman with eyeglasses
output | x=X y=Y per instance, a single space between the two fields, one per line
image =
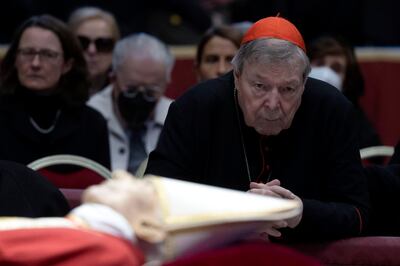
x=44 y=88
x=97 y=31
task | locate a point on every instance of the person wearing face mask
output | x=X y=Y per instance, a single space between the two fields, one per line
x=326 y=74
x=334 y=61
x=134 y=105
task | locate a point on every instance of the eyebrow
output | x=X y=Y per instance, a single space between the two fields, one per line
x=292 y=82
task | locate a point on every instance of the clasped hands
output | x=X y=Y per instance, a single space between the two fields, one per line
x=137 y=201
x=274 y=189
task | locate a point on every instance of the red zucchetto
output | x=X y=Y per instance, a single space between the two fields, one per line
x=275 y=27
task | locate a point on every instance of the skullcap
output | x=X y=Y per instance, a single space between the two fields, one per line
x=275 y=27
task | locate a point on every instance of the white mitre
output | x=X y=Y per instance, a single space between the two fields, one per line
x=199 y=217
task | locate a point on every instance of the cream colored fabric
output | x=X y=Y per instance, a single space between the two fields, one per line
x=180 y=217
x=376 y=151
x=198 y=217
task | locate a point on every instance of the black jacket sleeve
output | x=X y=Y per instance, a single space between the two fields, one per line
x=24 y=192
x=384 y=188
x=396 y=156
x=342 y=208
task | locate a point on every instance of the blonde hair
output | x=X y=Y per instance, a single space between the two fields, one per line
x=84 y=14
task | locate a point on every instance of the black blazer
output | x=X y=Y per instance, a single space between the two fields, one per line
x=24 y=192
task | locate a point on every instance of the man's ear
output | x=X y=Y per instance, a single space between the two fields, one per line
x=68 y=65
x=236 y=78
x=236 y=74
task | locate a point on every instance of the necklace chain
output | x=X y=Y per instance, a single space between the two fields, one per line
x=242 y=138
x=45 y=130
x=241 y=134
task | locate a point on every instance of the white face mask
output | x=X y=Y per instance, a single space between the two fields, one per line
x=326 y=74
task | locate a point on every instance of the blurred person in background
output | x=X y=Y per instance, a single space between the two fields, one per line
x=334 y=61
x=215 y=52
x=133 y=104
x=97 y=31
x=44 y=88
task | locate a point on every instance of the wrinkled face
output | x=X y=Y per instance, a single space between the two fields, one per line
x=269 y=96
x=98 y=47
x=40 y=62
x=216 y=58
x=337 y=63
x=125 y=193
x=141 y=73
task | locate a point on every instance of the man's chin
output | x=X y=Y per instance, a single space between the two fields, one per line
x=268 y=131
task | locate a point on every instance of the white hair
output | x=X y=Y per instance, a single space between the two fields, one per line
x=144 y=45
x=271 y=51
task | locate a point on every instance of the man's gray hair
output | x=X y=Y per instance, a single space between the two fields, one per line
x=271 y=51
x=144 y=45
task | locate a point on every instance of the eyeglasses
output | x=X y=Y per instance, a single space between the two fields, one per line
x=28 y=54
x=103 y=45
x=150 y=93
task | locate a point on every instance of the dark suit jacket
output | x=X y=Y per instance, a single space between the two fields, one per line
x=24 y=192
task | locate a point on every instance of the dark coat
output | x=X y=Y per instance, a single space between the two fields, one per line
x=396 y=156
x=78 y=131
x=384 y=189
x=317 y=158
x=24 y=192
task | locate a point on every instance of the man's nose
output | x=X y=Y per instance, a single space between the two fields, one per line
x=272 y=100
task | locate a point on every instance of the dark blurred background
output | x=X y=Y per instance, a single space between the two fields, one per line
x=361 y=22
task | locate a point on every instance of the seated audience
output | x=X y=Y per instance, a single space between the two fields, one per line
x=115 y=230
x=333 y=54
x=97 y=31
x=134 y=105
x=43 y=93
x=268 y=129
x=215 y=51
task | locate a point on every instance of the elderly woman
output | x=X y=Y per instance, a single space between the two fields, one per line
x=97 y=31
x=43 y=92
